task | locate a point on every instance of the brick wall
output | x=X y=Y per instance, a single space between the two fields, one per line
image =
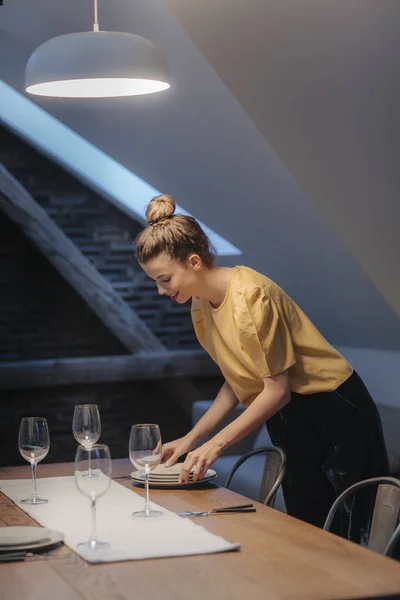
x=103 y=234
x=42 y=317
x=120 y=404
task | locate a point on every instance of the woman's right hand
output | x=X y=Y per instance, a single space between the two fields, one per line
x=171 y=451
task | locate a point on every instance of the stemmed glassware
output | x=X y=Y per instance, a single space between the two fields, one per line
x=34 y=444
x=86 y=427
x=145 y=455
x=98 y=459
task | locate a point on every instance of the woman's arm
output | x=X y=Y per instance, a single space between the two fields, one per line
x=223 y=404
x=274 y=396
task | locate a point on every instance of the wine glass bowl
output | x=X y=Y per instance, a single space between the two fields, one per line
x=86 y=427
x=86 y=424
x=34 y=445
x=145 y=454
x=98 y=460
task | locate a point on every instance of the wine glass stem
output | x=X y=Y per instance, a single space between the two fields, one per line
x=90 y=462
x=92 y=541
x=146 y=485
x=33 y=465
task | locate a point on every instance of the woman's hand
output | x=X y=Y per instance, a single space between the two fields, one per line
x=201 y=459
x=171 y=451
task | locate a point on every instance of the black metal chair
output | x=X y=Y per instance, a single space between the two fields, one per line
x=383 y=534
x=274 y=472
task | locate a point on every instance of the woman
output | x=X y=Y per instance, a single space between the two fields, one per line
x=277 y=364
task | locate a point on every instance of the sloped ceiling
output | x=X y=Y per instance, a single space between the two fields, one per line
x=321 y=80
x=280 y=132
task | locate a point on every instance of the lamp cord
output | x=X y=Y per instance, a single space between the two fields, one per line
x=96 y=17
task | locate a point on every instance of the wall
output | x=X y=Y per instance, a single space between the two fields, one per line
x=41 y=316
x=380 y=371
x=200 y=141
x=121 y=405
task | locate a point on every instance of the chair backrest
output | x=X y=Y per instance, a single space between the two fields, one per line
x=393 y=544
x=386 y=510
x=385 y=517
x=274 y=472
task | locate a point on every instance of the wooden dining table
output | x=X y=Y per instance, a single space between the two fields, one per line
x=281 y=558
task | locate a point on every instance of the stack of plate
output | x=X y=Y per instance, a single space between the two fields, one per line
x=27 y=538
x=163 y=476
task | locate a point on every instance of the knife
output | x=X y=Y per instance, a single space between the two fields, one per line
x=12 y=556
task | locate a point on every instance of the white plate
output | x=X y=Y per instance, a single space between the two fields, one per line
x=16 y=539
x=168 y=474
x=138 y=477
x=167 y=478
x=17 y=535
x=163 y=471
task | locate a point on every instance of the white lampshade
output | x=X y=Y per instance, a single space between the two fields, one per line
x=96 y=64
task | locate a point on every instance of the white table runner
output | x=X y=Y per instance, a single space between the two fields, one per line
x=130 y=538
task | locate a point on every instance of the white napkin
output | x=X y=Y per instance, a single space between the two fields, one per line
x=130 y=538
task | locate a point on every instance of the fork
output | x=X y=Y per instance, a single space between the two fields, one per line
x=225 y=509
x=17 y=556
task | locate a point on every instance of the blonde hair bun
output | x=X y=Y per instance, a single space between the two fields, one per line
x=160 y=207
x=177 y=235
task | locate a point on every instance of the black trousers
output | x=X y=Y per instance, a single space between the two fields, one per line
x=331 y=440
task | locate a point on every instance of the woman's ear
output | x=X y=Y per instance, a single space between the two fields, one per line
x=194 y=262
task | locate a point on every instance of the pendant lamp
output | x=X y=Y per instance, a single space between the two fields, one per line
x=96 y=64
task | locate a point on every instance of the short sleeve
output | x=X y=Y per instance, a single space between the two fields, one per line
x=263 y=332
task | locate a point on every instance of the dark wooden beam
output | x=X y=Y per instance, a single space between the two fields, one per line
x=98 y=293
x=100 y=369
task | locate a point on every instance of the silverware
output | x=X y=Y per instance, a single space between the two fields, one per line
x=241 y=508
x=12 y=556
x=21 y=555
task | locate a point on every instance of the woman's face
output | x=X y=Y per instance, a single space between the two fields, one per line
x=177 y=280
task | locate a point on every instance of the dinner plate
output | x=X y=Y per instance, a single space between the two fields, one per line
x=165 y=478
x=138 y=477
x=17 y=535
x=28 y=538
x=163 y=471
x=162 y=481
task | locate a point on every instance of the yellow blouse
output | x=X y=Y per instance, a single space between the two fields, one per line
x=259 y=331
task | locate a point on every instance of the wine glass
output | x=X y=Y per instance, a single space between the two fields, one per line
x=34 y=444
x=86 y=427
x=98 y=460
x=145 y=455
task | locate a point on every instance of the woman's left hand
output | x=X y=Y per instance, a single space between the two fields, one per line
x=200 y=460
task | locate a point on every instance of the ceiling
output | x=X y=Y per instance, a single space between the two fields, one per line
x=280 y=132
